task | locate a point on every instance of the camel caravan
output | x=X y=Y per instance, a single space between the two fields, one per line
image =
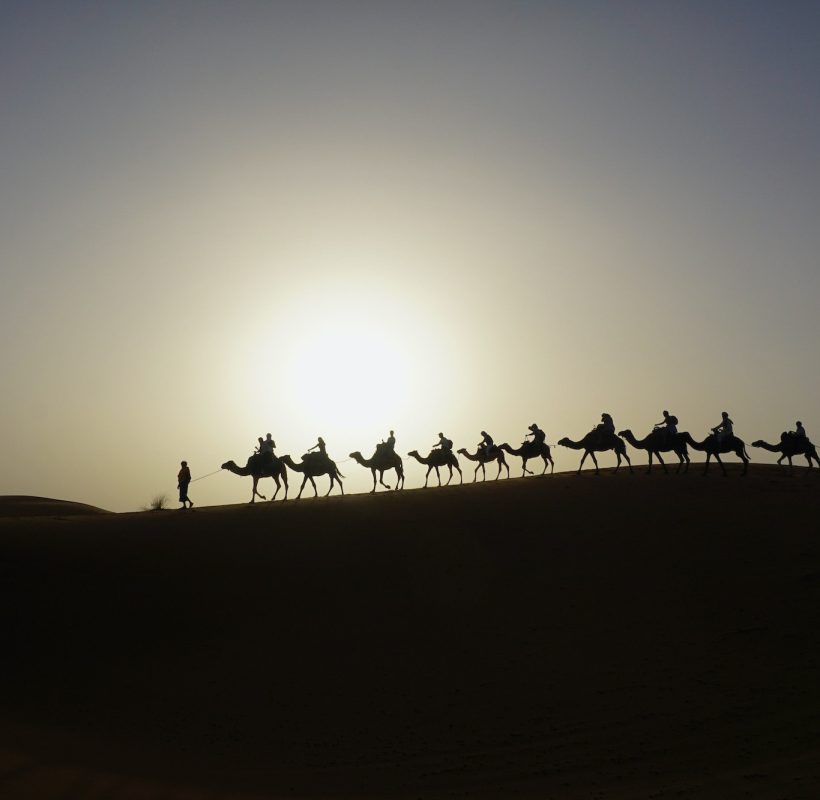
x=663 y=438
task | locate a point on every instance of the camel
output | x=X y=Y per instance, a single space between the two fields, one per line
x=438 y=458
x=659 y=442
x=712 y=446
x=258 y=468
x=484 y=457
x=598 y=442
x=789 y=447
x=530 y=450
x=313 y=465
x=383 y=460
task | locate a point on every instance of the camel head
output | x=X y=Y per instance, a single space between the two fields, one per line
x=228 y=465
x=564 y=442
x=413 y=453
x=757 y=443
x=462 y=450
x=356 y=455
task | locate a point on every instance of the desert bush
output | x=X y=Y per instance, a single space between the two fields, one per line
x=158 y=502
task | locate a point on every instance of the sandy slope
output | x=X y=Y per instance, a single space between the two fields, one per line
x=554 y=637
x=26 y=506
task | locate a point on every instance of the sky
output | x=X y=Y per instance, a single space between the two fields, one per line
x=338 y=218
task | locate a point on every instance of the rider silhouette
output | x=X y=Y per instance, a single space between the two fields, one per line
x=486 y=444
x=539 y=437
x=443 y=442
x=320 y=446
x=800 y=431
x=725 y=429
x=669 y=425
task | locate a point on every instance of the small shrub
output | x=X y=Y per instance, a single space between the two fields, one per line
x=158 y=502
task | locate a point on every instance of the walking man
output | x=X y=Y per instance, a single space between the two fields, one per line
x=183 y=479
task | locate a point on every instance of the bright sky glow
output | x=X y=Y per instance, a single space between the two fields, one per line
x=339 y=218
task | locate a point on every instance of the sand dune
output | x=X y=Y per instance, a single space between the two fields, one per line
x=25 y=506
x=568 y=637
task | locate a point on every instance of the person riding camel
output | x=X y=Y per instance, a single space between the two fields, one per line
x=725 y=429
x=266 y=447
x=258 y=449
x=390 y=444
x=320 y=446
x=539 y=437
x=800 y=432
x=669 y=425
x=486 y=444
x=443 y=442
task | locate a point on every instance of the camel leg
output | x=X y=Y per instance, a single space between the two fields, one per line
x=722 y=466
x=649 y=467
x=594 y=461
x=450 y=476
x=427 y=476
x=524 y=467
x=708 y=458
x=546 y=464
x=400 y=473
x=461 y=474
x=301 y=488
x=313 y=484
x=381 y=480
x=373 y=473
x=742 y=455
x=438 y=475
x=330 y=488
x=475 y=474
x=498 y=474
x=629 y=462
x=663 y=464
x=278 y=487
x=255 y=493
x=583 y=458
x=506 y=466
x=618 y=463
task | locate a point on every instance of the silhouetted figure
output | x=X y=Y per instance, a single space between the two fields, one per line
x=320 y=446
x=443 y=442
x=258 y=448
x=486 y=444
x=792 y=444
x=598 y=440
x=659 y=441
x=391 y=442
x=669 y=425
x=724 y=430
x=607 y=425
x=538 y=436
x=483 y=455
x=530 y=450
x=385 y=458
x=444 y=457
x=800 y=431
x=312 y=466
x=267 y=447
x=183 y=479
x=258 y=467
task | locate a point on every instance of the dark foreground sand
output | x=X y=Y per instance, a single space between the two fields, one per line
x=618 y=637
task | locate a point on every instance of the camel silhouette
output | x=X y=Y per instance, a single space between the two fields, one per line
x=660 y=442
x=530 y=450
x=598 y=442
x=713 y=447
x=313 y=465
x=789 y=447
x=436 y=459
x=485 y=457
x=383 y=459
x=258 y=467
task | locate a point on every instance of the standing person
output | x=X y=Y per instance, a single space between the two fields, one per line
x=183 y=479
x=724 y=430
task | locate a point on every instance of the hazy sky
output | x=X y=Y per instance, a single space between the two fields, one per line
x=334 y=218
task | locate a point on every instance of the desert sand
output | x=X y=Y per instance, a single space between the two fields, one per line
x=560 y=636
